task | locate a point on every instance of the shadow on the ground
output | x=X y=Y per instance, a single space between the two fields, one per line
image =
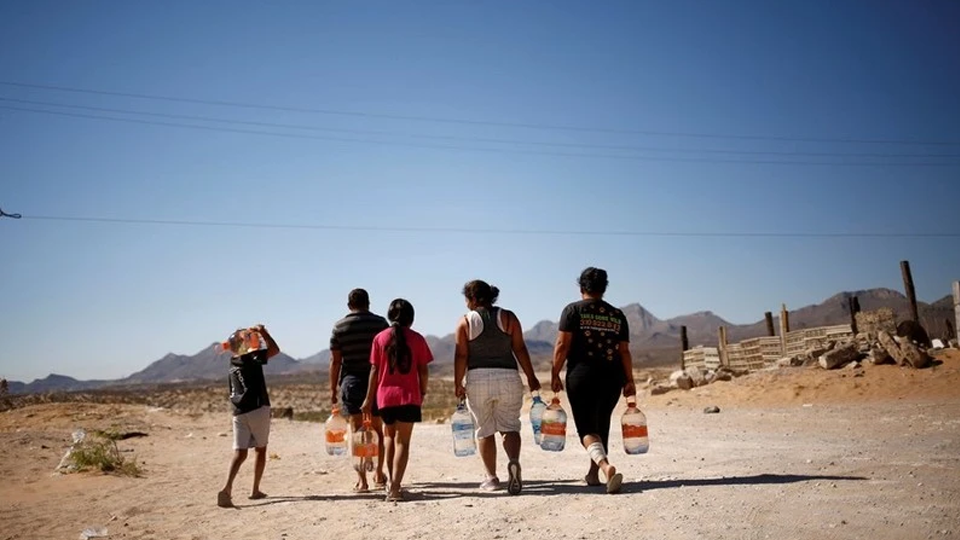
x=282 y=499
x=757 y=479
x=446 y=490
x=429 y=491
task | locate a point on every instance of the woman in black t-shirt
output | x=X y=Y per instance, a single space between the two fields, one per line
x=594 y=341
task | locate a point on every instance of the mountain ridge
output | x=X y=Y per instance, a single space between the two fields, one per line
x=654 y=341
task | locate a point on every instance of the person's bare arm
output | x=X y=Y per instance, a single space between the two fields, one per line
x=560 y=352
x=367 y=406
x=336 y=362
x=272 y=348
x=460 y=358
x=520 y=350
x=626 y=357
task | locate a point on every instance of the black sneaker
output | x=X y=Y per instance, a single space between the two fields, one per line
x=514 y=484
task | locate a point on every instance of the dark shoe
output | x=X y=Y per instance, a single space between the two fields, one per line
x=514 y=484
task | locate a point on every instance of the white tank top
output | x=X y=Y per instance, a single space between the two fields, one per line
x=475 y=324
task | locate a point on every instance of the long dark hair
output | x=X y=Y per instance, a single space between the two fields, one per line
x=399 y=356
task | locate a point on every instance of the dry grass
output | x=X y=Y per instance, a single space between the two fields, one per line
x=310 y=401
x=99 y=451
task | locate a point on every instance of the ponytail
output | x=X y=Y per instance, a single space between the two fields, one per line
x=398 y=352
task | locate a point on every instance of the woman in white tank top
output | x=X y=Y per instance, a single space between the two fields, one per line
x=490 y=352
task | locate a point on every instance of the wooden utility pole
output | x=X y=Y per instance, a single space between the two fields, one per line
x=956 y=307
x=684 y=346
x=769 y=318
x=909 y=291
x=723 y=346
x=784 y=328
x=854 y=309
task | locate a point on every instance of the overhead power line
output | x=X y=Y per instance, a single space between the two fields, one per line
x=480 y=149
x=509 y=231
x=464 y=121
x=303 y=127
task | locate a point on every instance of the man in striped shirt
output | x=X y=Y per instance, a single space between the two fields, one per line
x=350 y=344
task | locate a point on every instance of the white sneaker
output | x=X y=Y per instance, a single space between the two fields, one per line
x=490 y=484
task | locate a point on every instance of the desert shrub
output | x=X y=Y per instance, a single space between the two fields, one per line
x=100 y=452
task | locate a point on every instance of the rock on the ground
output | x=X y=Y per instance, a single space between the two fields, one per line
x=913 y=331
x=904 y=352
x=684 y=382
x=817 y=352
x=839 y=356
x=915 y=356
x=696 y=376
x=659 y=389
x=878 y=356
x=889 y=344
x=713 y=409
x=722 y=375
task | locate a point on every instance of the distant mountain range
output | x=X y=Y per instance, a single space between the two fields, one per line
x=655 y=342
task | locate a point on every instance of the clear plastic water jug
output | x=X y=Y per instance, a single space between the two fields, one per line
x=536 y=416
x=634 y=427
x=553 y=428
x=335 y=431
x=365 y=444
x=461 y=422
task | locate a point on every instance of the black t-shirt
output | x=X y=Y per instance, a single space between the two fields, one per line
x=248 y=388
x=598 y=328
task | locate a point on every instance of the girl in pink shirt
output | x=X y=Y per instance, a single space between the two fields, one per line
x=398 y=381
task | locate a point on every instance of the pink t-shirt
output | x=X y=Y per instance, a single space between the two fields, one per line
x=396 y=389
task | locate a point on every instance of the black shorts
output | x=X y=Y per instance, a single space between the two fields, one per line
x=353 y=390
x=401 y=413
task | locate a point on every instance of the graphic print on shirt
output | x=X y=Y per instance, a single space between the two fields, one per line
x=237 y=385
x=600 y=331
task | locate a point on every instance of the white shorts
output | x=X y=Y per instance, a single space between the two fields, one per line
x=495 y=396
x=252 y=429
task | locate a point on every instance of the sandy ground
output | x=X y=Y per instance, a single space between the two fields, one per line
x=794 y=453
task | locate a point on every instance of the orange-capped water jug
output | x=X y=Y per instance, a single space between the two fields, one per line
x=365 y=443
x=553 y=427
x=335 y=431
x=633 y=424
x=243 y=341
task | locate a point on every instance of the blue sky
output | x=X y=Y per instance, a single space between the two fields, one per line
x=800 y=80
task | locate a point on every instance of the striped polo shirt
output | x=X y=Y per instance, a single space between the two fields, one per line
x=353 y=336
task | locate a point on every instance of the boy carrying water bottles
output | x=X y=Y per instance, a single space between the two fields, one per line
x=251 y=409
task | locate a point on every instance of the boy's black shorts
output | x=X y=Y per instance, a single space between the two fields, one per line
x=353 y=390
